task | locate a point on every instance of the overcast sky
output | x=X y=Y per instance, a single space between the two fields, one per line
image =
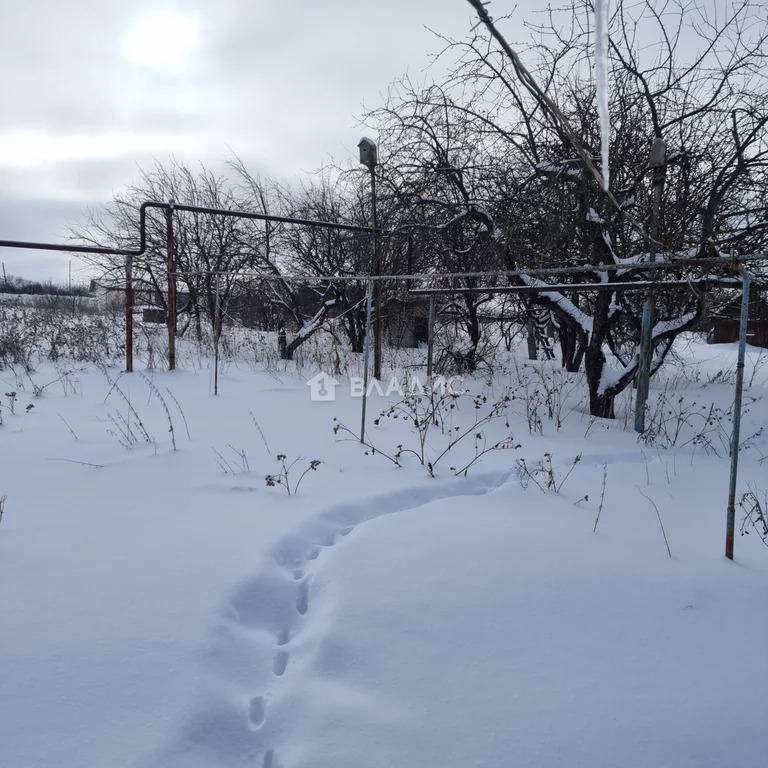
x=92 y=88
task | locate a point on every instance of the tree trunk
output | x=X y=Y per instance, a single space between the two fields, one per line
x=198 y=323
x=355 y=331
x=286 y=352
x=600 y=399
x=473 y=329
x=572 y=351
x=601 y=404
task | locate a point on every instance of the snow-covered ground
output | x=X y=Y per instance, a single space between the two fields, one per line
x=158 y=611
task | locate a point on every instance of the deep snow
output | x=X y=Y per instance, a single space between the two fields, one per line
x=159 y=612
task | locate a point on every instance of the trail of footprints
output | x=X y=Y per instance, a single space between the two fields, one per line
x=290 y=593
x=257 y=709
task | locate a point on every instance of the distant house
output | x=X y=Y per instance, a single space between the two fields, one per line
x=726 y=321
x=110 y=294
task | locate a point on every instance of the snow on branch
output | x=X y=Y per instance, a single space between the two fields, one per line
x=560 y=169
x=666 y=327
x=566 y=306
x=312 y=325
x=662 y=335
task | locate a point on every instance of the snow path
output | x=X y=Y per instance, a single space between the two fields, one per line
x=251 y=648
x=472 y=633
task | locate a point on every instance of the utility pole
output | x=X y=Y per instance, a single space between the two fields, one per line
x=658 y=165
x=369 y=157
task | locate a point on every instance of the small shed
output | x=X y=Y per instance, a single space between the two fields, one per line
x=726 y=322
x=406 y=321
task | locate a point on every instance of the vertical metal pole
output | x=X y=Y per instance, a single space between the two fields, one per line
x=377 y=261
x=730 y=525
x=128 y=314
x=658 y=165
x=643 y=365
x=171 y=289
x=216 y=335
x=430 y=338
x=369 y=309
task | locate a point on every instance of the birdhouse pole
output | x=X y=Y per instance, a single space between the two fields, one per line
x=658 y=165
x=369 y=157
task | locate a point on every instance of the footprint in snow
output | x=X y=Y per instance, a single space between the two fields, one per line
x=279 y=663
x=256 y=711
x=302 y=598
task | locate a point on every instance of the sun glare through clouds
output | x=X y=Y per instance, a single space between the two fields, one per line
x=162 y=40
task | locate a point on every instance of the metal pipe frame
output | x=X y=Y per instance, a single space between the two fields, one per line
x=367 y=355
x=170 y=286
x=129 y=314
x=169 y=208
x=152 y=204
x=729 y=263
x=377 y=348
x=216 y=336
x=730 y=525
x=640 y=285
x=721 y=263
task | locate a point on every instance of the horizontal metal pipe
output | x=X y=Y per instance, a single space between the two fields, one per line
x=270 y=217
x=68 y=248
x=721 y=262
x=640 y=285
x=453 y=275
x=104 y=250
x=619 y=269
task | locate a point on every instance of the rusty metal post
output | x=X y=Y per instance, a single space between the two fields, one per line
x=171 y=303
x=129 y=314
x=730 y=525
x=216 y=335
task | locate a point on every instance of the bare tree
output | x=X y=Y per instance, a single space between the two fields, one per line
x=515 y=149
x=203 y=244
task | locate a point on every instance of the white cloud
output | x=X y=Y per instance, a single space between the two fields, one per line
x=23 y=149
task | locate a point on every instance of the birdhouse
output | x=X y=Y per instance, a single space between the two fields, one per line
x=368 y=153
